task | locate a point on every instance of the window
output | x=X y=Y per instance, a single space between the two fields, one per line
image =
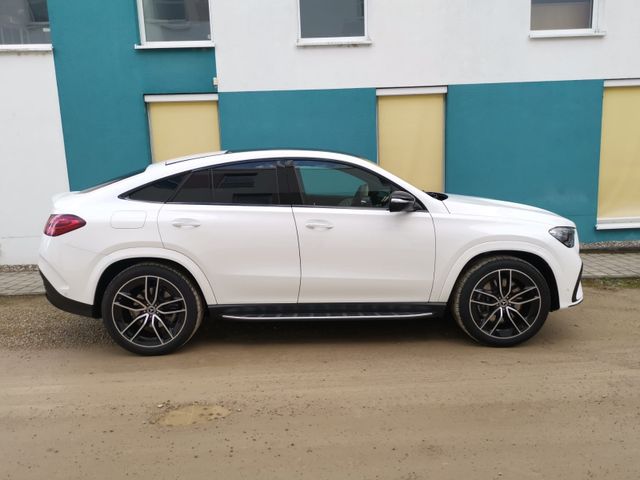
x=332 y=184
x=618 y=192
x=563 y=15
x=158 y=191
x=181 y=125
x=332 y=19
x=24 y=22
x=197 y=188
x=253 y=183
x=166 y=23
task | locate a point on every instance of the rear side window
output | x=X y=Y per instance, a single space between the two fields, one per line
x=196 y=189
x=249 y=183
x=159 y=191
x=254 y=183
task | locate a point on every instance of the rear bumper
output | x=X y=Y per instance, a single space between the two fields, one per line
x=64 y=303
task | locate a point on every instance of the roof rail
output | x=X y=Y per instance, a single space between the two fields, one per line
x=194 y=157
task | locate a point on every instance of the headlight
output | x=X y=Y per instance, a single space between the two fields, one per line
x=565 y=235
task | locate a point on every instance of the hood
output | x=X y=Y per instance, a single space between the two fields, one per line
x=477 y=206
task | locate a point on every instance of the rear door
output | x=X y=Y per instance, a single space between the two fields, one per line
x=231 y=221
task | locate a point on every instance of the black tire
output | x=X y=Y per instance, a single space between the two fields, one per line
x=501 y=301
x=158 y=304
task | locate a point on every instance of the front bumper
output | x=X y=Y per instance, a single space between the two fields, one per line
x=577 y=296
x=66 y=304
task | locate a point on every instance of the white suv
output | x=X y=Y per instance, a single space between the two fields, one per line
x=300 y=235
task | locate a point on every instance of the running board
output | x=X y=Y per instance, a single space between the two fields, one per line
x=326 y=316
x=327 y=311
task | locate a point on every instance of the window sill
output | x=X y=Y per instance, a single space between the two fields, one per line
x=619 y=223
x=172 y=45
x=333 y=42
x=580 y=32
x=35 y=47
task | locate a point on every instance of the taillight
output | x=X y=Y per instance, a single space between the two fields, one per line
x=61 y=224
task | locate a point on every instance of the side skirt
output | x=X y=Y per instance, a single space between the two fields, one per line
x=326 y=311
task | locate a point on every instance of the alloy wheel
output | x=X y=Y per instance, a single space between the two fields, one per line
x=505 y=303
x=149 y=311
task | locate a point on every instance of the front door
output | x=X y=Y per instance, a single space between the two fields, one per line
x=231 y=222
x=352 y=248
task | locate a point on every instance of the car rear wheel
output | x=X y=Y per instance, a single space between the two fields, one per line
x=501 y=301
x=151 y=309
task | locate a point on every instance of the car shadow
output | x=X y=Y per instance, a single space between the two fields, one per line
x=327 y=331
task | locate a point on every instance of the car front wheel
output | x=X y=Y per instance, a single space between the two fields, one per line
x=501 y=301
x=151 y=309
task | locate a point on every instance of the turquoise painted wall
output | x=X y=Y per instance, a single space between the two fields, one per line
x=535 y=143
x=340 y=120
x=102 y=81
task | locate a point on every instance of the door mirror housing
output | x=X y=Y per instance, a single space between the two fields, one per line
x=401 y=202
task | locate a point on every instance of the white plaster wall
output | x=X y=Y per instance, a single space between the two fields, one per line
x=32 y=160
x=418 y=43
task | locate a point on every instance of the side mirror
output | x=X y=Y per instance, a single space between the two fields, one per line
x=401 y=202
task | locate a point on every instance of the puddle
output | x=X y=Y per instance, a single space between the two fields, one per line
x=191 y=414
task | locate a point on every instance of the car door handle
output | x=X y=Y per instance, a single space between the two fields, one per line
x=318 y=225
x=185 y=223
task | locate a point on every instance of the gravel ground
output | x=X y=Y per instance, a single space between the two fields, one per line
x=606 y=247
x=398 y=400
x=18 y=268
x=31 y=322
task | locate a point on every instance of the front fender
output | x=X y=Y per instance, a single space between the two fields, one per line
x=450 y=273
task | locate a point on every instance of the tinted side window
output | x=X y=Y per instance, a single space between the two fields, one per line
x=252 y=183
x=158 y=191
x=333 y=184
x=196 y=189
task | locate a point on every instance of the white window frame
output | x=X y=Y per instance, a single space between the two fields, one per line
x=176 y=98
x=27 y=47
x=596 y=30
x=329 y=41
x=404 y=91
x=145 y=45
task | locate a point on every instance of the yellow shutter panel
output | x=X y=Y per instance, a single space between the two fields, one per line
x=411 y=138
x=183 y=128
x=619 y=188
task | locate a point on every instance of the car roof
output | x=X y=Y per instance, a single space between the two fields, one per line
x=190 y=162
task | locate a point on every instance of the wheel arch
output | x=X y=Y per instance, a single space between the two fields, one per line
x=117 y=265
x=535 y=259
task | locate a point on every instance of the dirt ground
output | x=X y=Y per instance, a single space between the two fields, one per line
x=367 y=400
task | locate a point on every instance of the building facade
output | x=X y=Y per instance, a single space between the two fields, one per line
x=534 y=101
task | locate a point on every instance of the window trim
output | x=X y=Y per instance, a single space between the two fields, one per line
x=176 y=98
x=617 y=223
x=596 y=30
x=146 y=45
x=298 y=187
x=622 y=82
x=333 y=41
x=405 y=91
